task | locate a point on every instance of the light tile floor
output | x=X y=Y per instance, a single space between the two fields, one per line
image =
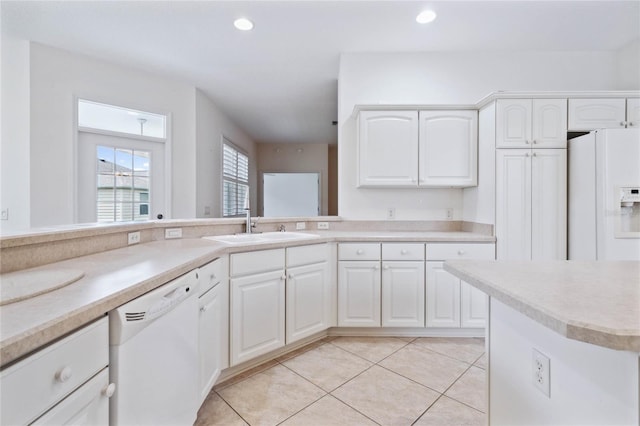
x=359 y=381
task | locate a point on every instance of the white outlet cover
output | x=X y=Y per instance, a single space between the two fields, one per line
x=540 y=372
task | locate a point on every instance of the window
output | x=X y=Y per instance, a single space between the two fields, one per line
x=122 y=184
x=235 y=180
x=94 y=115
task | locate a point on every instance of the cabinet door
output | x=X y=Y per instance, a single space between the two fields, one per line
x=633 y=112
x=443 y=297
x=513 y=204
x=549 y=123
x=359 y=294
x=591 y=114
x=210 y=338
x=308 y=300
x=513 y=123
x=388 y=148
x=549 y=204
x=448 y=149
x=402 y=294
x=257 y=315
x=473 y=306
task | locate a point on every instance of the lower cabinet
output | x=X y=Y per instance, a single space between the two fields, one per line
x=402 y=294
x=213 y=333
x=451 y=302
x=66 y=382
x=308 y=300
x=359 y=293
x=257 y=315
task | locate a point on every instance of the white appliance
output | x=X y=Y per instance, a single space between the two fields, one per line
x=153 y=356
x=604 y=195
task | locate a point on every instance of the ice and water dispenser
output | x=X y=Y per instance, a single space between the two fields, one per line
x=629 y=212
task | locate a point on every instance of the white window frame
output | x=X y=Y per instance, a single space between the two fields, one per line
x=239 y=211
x=167 y=142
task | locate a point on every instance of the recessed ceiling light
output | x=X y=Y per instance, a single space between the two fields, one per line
x=426 y=16
x=243 y=24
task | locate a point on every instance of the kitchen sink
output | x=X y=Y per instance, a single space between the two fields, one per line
x=261 y=238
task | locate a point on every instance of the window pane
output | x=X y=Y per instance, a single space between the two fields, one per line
x=118 y=119
x=235 y=169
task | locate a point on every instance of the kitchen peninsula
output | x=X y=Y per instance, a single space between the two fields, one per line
x=583 y=317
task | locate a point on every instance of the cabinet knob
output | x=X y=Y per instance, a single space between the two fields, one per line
x=534 y=154
x=461 y=252
x=64 y=374
x=359 y=251
x=109 y=390
x=376 y=267
x=203 y=308
x=403 y=251
x=534 y=141
x=526 y=141
x=631 y=124
x=526 y=154
x=290 y=276
x=385 y=267
x=283 y=277
x=623 y=123
x=212 y=277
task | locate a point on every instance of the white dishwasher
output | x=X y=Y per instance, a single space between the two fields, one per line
x=153 y=343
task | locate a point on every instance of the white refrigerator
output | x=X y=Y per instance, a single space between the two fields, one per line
x=604 y=195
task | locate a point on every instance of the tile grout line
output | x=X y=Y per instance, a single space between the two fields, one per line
x=233 y=409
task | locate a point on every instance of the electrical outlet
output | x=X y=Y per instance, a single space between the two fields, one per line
x=391 y=213
x=323 y=225
x=449 y=214
x=170 y=233
x=541 y=373
x=133 y=237
x=300 y=226
x=4 y=214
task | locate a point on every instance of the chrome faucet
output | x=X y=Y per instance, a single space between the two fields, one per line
x=282 y=228
x=248 y=224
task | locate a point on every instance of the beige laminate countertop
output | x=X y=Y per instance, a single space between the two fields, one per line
x=593 y=302
x=114 y=277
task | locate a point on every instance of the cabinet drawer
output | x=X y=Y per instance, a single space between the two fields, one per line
x=359 y=251
x=306 y=255
x=447 y=251
x=402 y=251
x=210 y=274
x=257 y=261
x=35 y=384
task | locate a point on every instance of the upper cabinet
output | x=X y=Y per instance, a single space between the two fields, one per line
x=591 y=114
x=531 y=123
x=387 y=148
x=410 y=149
x=633 y=112
x=448 y=149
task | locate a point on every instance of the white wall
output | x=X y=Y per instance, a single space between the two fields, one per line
x=56 y=77
x=628 y=63
x=14 y=146
x=288 y=158
x=211 y=125
x=444 y=78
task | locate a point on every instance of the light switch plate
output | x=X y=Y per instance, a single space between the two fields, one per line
x=300 y=226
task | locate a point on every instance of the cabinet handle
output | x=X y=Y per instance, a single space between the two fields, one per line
x=461 y=252
x=109 y=390
x=359 y=251
x=64 y=374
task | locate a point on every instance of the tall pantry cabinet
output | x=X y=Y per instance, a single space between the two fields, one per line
x=531 y=179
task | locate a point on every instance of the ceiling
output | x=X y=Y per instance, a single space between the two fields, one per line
x=279 y=82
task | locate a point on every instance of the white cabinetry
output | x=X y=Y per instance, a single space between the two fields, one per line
x=213 y=335
x=591 y=114
x=387 y=148
x=410 y=149
x=451 y=302
x=308 y=291
x=403 y=285
x=523 y=123
x=257 y=303
x=359 y=285
x=633 y=112
x=448 y=150
x=531 y=204
x=62 y=381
